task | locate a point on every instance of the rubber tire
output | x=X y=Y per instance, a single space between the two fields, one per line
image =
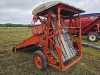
x=44 y=60
x=95 y=34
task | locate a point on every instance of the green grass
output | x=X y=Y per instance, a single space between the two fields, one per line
x=21 y=63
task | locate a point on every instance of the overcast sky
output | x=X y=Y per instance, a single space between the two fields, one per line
x=20 y=11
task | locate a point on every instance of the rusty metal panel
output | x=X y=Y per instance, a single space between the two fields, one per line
x=51 y=4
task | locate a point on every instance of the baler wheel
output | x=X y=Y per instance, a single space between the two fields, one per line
x=40 y=61
x=93 y=37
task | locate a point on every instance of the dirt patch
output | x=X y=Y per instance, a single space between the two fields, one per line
x=4 y=54
x=93 y=70
x=82 y=64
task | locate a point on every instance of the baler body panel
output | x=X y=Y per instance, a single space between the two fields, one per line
x=37 y=29
x=30 y=41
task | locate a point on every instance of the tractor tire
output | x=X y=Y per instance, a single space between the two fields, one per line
x=92 y=37
x=40 y=60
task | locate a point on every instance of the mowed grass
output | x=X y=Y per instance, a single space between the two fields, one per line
x=21 y=63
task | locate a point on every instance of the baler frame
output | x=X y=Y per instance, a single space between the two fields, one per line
x=48 y=41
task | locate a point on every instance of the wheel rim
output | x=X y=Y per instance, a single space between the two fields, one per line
x=38 y=61
x=92 y=37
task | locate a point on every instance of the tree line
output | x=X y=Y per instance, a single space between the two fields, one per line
x=13 y=25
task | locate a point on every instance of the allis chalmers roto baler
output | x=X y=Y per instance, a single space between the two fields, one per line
x=57 y=46
x=90 y=24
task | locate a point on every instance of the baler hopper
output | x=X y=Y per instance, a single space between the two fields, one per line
x=58 y=48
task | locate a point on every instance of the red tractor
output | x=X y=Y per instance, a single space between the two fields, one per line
x=90 y=26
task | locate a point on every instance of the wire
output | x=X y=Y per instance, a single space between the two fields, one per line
x=26 y=34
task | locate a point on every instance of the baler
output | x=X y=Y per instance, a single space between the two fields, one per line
x=57 y=46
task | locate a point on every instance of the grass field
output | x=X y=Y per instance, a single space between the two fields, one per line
x=21 y=63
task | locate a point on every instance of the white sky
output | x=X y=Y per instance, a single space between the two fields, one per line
x=20 y=11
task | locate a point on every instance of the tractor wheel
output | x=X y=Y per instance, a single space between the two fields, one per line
x=93 y=37
x=40 y=60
